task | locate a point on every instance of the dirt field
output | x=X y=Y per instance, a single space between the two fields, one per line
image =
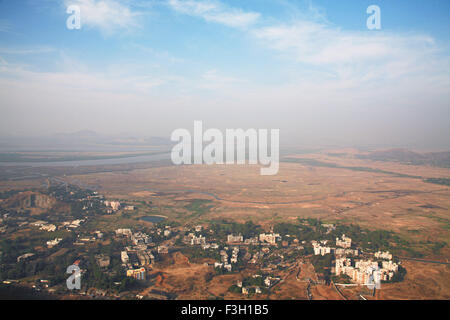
x=423 y=281
x=374 y=200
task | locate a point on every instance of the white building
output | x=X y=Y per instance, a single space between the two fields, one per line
x=269 y=237
x=346 y=242
x=115 y=205
x=53 y=242
x=235 y=239
x=200 y=240
x=124 y=232
x=48 y=227
x=124 y=257
x=383 y=255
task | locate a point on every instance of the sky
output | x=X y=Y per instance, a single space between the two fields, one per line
x=309 y=68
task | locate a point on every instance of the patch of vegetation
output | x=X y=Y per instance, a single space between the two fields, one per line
x=441 y=181
x=316 y=163
x=398 y=276
x=196 y=253
x=9 y=193
x=322 y=264
x=438 y=246
x=199 y=207
x=235 y=289
x=342 y=278
x=223 y=228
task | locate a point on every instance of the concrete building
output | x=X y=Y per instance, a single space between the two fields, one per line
x=383 y=255
x=48 y=227
x=124 y=232
x=345 y=242
x=103 y=261
x=115 y=205
x=269 y=237
x=138 y=274
x=124 y=257
x=200 y=240
x=235 y=239
x=53 y=242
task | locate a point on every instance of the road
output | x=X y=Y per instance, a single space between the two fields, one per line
x=424 y=261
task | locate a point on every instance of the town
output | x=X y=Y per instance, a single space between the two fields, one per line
x=123 y=261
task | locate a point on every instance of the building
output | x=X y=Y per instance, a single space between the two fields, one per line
x=390 y=266
x=319 y=250
x=235 y=239
x=124 y=257
x=252 y=241
x=365 y=271
x=138 y=274
x=345 y=242
x=269 y=237
x=102 y=260
x=139 y=238
x=48 y=227
x=167 y=233
x=200 y=240
x=145 y=257
x=163 y=249
x=342 y=252
x=53 y=242
x=115 y=205
x=98 y=234
x=24 y=257
x=383 y=255
x=124 y=232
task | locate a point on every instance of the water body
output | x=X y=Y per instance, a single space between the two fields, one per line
x=92 y=162
x=153 y=219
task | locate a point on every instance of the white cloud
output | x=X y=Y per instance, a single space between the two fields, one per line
x=357 y=56
x=107 y=15
x=317 y=43
x=214 y=11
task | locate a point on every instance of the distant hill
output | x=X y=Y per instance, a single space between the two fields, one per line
x=29 y=199
x=437 y=159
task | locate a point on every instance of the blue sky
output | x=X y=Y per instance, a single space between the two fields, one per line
x=310 y=68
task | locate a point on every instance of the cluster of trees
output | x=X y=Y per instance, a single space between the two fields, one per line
x=9 y=193
x=53 y=270
x=437 y=246
x=224 y=228
x=72 y=195
x=250 y=283
x=304 y=229
x=441 y=181
x=322 y=264
x=113 y=280
x=198 y=207
x=195 y=253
